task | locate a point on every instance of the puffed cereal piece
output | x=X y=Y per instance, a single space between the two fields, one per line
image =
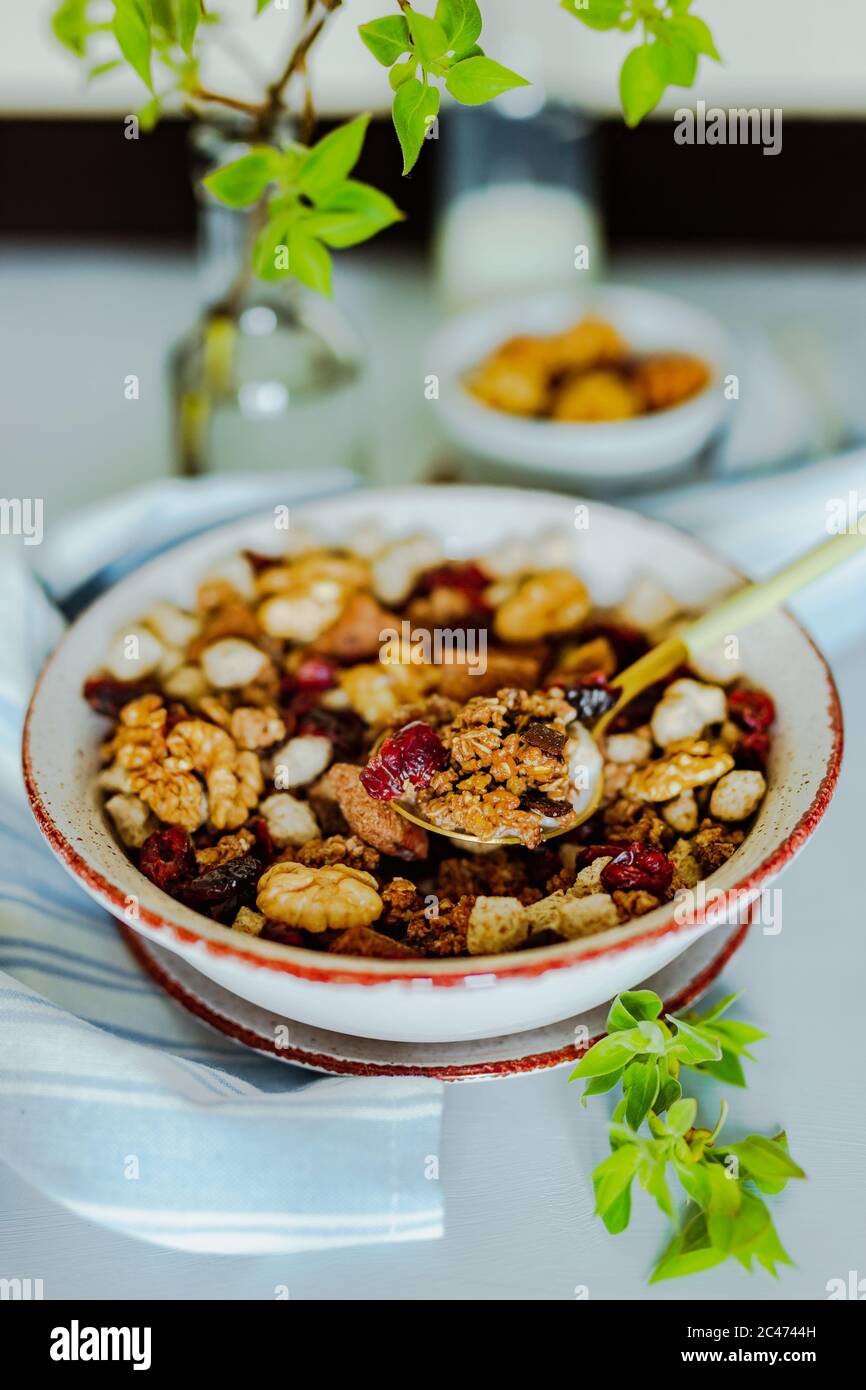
x=737 y=794
x=289 y=821
x=588 y=880
x=573 y=917
x=496 y=925
x=398 y=565
x=647 y=604
x=632 y=748
x=301 y=761
x=249 y=922
x=681 y=814
x=232 y=662
x=332 y=898
x=686 y=708
x=172 y=625
x=133 y=819
x=135 y=652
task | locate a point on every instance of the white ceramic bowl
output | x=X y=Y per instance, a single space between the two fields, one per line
x=437 y=1000
x=602 y=453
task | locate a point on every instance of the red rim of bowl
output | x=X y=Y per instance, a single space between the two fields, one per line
x=298 y=961
x=455 y=1071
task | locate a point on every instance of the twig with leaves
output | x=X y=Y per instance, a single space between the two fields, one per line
x=310 y=205
x=725 y=1217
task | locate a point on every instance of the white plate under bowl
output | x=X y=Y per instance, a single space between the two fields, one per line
x=485 y=1059
x=607 y=452
x=467 y=997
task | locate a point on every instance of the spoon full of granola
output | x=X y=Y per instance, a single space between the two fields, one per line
x=521 y=767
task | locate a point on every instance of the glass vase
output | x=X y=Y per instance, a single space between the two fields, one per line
x=271 y=375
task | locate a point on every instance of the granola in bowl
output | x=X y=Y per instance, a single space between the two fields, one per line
x=252 y=738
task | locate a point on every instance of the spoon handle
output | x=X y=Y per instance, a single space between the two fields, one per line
x=754 y=600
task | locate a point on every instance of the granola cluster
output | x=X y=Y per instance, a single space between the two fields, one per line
x=587 y=374
x=245 y=770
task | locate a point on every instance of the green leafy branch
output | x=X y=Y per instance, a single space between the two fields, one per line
x=442 y=47
x=311 y=204
x=300 y=214
x=673 y=40
x=724 y=1217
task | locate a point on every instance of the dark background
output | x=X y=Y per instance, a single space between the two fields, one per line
x=75 y=178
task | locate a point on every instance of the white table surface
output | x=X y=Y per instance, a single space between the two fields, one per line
x=516 y=1154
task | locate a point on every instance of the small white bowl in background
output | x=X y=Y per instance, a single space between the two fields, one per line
x=606 y=452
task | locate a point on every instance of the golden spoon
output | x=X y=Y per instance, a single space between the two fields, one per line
x=745 y=606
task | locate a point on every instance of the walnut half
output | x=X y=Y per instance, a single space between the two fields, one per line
x=331 y=898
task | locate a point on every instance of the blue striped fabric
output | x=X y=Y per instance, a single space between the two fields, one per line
x=120 y=1106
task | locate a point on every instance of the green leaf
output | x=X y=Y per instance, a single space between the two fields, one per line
x=131 y=28
x=461 y=20
x=693 y=1177
x=766 y=1159
x=681 y=1116
x=476 y=80
x=641 y=83
x=689 y=1252
x=100 y=69
x=415 y=106
x=613 y=1176
x=599 y=1084
x=148 y=114
x=695 y=33
x=261 y=5
x=309 y=261
x=598 y=14
x=728 y=1068
x=352 y=212
x=244 y=180
x=669 y=1092
x=401 y=72
x=679 y=60
x=188 y=16
x=429 y=39
x=273 y=236
x=69 y=25
x=387 y=39
x=329 y=161
x=630 y=1007
x=640 y=1083
x=618 y=1214
x=690 y=1045
x=652 y=1175
x=716 y=1011
x=734 y=1036
x=609 y=1054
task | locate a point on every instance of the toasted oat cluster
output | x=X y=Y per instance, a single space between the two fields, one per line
x=587 y=374
x=262 y=738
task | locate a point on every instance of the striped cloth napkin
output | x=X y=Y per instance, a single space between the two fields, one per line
x=126 y=1110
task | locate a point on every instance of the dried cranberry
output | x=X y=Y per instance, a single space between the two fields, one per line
x=221 y=890
x=752 y=708
x=108 y=696
x=315 y=673
x=638 y=866
x=592 y=697
x=470 y=579
x=263 y=848
x=591 y=852
x=278 y=931
x=413 y=754
x=345 y=729
x=542 y=864
x=167 y=856
x=628 y=642
x=752 y=751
